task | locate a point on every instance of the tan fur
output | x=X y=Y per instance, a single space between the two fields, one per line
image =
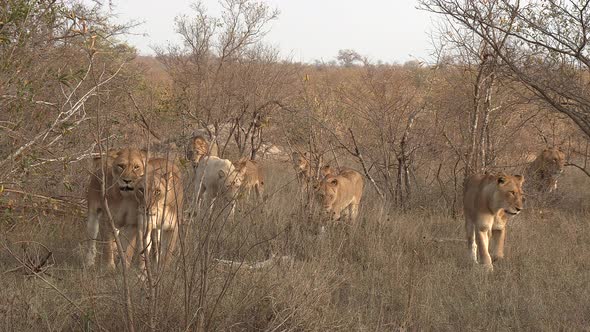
x=341 y=194
x=200 y=146
x=108 y=157
x=544 y=171
x=487 y=199
x=328 y=170
x=253 y=177
x=123 y=170
x=160 y=201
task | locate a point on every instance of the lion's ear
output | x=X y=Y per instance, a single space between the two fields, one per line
x=112 y=153
x=520 y=179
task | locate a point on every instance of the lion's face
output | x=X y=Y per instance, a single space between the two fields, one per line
x=300 y=161
x=128 y=168
x=553 y=161
x=153 y=193
x=326 y=193
x=327 y=170
x=232 y=180
x=509 y=195
x=199 y=147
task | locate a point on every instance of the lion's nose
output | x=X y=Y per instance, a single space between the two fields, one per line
x=126 y=181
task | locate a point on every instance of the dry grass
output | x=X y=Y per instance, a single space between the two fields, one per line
x=384 y=273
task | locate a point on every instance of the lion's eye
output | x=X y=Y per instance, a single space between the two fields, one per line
x=512 y=193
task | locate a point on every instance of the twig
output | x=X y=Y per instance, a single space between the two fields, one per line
x=146 y=124
x=64 y=115
x=357 y=153
x=579 y=167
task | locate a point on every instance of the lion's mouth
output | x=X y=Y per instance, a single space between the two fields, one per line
x=126 y=188
x=511 y=213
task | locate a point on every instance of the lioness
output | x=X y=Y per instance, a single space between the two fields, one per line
x=253 y=177
x=218 y=178
x=340 y=193
x=487 y=199
x=200 y=146
x=123 y=170
x=544 y=171
x=328 y=170
x=302 y=166
x=159 y=194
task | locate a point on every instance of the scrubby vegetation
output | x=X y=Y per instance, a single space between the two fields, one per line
x=70 y=88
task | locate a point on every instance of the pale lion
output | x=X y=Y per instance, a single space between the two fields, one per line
x=487 y=200
x=253 y=177
x=341 y=194
x=217 y=178
x=160 y=201
x=543 y=172
x=123 y=169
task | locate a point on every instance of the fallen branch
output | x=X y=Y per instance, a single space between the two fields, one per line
x=60 y=200
x=443 y=240
x=258 y=265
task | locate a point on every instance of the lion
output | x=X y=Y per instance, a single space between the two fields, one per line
x=544 y=171
x=302 y=165
x=328 y=170
x=200 y=146
x=218 y=178
x=341 y=194
x=487 y=200
x=253 y=177
x=160 y=200
x=123 y=169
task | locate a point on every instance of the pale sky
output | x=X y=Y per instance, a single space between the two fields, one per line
x=387 y=30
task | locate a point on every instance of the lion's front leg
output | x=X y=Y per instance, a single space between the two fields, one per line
x=471 y=245
x=482 y=240
x=128 y=237
x=106 y=238
x=498 y=238
x=92 y=227
x=144 y=241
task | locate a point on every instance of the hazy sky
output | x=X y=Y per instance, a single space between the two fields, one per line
x=387 y=30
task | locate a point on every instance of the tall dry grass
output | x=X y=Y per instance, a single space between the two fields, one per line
x=389 y=271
